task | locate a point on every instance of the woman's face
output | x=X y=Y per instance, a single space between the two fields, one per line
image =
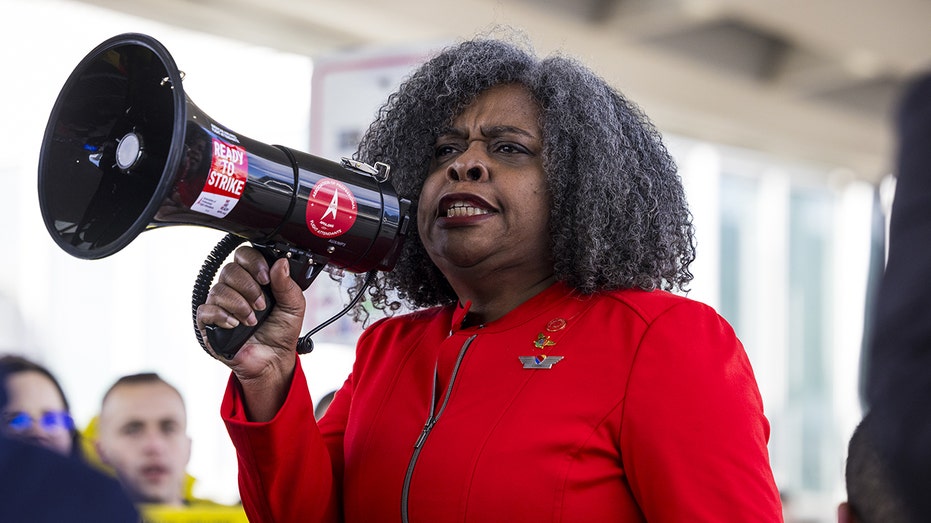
x=485 y=203
x=35 y=411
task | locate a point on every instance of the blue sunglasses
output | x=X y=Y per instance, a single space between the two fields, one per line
x=50 y=421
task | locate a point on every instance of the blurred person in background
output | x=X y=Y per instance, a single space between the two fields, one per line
x=141 y=436
x=872 y=497
x=899 y=368
x=37 y=409
x=39 y=485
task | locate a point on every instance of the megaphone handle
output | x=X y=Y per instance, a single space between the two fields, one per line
x=227 y=342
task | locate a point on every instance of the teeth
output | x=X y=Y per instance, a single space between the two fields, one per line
x=460 y=209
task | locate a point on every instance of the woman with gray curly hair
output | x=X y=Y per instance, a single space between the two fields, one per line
x=618 y=216
x=546 y=374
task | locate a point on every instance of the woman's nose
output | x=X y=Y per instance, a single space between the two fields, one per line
x=469 y=166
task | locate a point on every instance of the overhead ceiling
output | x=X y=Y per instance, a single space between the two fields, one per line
x=813 y=80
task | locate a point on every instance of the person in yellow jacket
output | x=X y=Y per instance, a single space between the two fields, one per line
x=141 y=437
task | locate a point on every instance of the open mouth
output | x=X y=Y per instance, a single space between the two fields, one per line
x=153 y=472
x=453 y=206
x=459 y=209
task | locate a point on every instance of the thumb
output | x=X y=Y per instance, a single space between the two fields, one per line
x=287 y=293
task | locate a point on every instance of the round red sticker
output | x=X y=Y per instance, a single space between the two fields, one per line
x=331 y=208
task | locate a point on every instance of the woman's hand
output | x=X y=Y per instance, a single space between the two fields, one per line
x=265 y=363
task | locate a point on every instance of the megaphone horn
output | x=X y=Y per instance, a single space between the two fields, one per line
x=125 y=151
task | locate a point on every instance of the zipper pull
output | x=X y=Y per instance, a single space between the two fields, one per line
x=428 y=426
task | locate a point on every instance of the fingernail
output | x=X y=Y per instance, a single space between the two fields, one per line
x=232 y=322
x=259 y=304
x=264 y=279
x=251 y=320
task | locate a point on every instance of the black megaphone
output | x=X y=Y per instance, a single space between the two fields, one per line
x=125 y=151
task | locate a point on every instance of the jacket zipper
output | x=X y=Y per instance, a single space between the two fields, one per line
x=428 y=426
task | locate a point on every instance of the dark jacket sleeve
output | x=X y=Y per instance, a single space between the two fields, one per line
x=899 y=369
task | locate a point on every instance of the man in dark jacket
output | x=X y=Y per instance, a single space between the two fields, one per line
x=899 y=379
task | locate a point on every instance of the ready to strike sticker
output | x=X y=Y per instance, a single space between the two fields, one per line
x=331 y=209
x=229 y=170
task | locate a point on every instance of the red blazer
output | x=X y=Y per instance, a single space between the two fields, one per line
x=651 y=414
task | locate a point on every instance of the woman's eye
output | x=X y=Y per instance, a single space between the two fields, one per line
x=442 y=151
x=510 y=148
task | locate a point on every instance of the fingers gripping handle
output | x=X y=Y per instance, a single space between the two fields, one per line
x=227 y=342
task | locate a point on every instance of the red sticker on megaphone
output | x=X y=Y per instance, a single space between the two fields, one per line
x=226 y=181
x=331 y=208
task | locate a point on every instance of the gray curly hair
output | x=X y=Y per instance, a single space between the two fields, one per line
x=619 y=217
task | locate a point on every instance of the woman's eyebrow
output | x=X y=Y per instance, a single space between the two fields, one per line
x=493 y=130
x=452 y=132
x=499 y=130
